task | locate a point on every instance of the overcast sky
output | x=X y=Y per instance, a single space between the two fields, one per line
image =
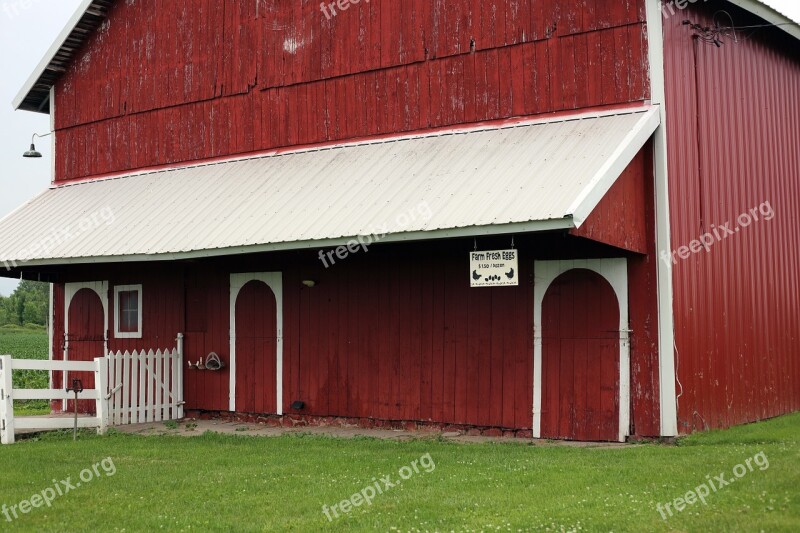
x=27 y=29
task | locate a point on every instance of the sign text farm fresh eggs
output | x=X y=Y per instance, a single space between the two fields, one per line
x=494 y=268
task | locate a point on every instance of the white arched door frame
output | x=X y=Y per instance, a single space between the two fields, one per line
x=615 y=271
x=274 y=281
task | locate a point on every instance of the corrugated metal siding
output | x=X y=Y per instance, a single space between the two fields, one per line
x=530 y=172
x=736 y=307
x=202 y=79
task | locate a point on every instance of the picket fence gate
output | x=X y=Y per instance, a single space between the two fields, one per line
x=148 y=387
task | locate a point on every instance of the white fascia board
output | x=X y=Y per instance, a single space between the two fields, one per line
x=414 y=236
x=51 y=53
x=770 y=15
x=616 y=164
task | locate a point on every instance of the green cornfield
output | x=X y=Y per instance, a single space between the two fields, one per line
x=27 y=343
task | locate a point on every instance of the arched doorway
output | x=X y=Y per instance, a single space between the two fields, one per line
x=256 y=348
x=85 y=339
x=580 y=358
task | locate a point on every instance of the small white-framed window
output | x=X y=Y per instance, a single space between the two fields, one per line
x=128 y=311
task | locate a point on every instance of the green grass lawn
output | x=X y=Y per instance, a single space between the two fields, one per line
x=27 y=343
x=231 y=483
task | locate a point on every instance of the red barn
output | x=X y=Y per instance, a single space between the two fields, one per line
x=571 y=220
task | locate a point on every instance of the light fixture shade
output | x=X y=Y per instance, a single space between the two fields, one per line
x=32 y=152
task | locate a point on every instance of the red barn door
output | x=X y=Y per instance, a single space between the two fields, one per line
x=86 y=340
x=256 y=349
x=580 y=358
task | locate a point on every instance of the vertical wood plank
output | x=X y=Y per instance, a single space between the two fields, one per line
x=152 y=376
x=126 y=390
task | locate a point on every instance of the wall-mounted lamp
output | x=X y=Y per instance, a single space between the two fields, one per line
x=33 y=153
x=309 y=283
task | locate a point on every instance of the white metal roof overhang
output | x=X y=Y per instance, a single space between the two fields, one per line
x=532 y=176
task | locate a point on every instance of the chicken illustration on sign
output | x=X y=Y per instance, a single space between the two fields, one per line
x=495 y=268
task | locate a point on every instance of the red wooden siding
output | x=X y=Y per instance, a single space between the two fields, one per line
x=86 y=340
x=401 y=338
x=620 y=219
x=392 y=334
x=580 y=358
x=163 y=83
x=734 y=117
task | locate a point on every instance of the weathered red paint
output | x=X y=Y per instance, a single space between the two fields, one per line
x=580 y=358
x=86 y=340
x=733 y=115
x=203 y=79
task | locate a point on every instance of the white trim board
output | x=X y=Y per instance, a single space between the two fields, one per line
x=50 y=331
x=274 y=280
x=668 y=410
x=615 y=271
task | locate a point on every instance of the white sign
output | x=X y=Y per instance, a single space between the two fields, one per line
x=497 y=268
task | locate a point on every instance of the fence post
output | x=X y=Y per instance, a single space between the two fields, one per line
x=101 y=384
x=6 y=401
x=177 y=390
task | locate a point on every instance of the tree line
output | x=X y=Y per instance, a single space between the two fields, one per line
x=28 y=305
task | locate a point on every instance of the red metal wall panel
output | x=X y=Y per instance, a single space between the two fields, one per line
x=734 y=141
x=163 y=83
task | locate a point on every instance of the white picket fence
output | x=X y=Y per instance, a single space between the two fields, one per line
x=130 y=388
